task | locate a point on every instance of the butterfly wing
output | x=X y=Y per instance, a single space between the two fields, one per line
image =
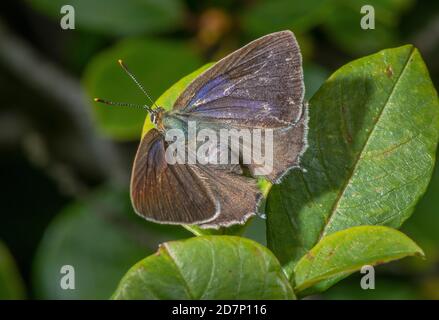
x=164 y=193
x=237 y=195
x=289 y=144
x=259 y=85
x=188 y=194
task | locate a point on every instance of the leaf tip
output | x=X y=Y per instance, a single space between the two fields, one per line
x=420 y=253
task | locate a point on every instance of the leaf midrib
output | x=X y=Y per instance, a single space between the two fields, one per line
x=359 y=156
x=173 y=260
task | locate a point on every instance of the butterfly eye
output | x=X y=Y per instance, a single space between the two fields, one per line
x=153 y=117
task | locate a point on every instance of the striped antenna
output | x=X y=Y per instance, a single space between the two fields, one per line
x=123 y=104
x=131 y=75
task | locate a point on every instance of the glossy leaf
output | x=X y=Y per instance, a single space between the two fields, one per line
x=100 y=237
x=373 y=134
x=348 y=250
x=11 y=284
x=118 y=17
x=208 y=267
x=324 y=285
x=156 y=64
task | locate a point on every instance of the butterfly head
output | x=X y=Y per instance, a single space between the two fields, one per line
x=156 y=117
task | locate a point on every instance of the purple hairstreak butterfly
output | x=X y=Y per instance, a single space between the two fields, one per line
x=257 y=87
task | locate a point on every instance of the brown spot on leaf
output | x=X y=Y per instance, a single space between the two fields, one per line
x=389 y=71
x=310 y=256
x=331 y=252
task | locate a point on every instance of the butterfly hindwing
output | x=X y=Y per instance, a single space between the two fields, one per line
x=168 y=193
x=238 y=196
x=289 y=145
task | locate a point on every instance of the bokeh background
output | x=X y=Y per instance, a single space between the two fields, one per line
x=65 y=162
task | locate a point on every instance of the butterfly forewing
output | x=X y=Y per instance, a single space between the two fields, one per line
x=259 y=85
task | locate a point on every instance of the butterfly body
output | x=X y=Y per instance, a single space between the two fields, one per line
x=258 y=87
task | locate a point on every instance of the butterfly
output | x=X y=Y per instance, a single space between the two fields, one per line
x=259 y=86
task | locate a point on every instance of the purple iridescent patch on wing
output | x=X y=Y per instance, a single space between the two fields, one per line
x=212 y=90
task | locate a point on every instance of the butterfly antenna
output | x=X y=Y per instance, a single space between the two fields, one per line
x=131 y=75
x=123 y=104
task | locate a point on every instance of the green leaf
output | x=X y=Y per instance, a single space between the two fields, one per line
x=372 y=141
x=208 y=267
x=348 y=250
x=156 y=64
x=269 y=16
x=118 y=17
x=100 y=237
x=323 y=285
x=11 y=284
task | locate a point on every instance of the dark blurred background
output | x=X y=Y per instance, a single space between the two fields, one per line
x=65 y=162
